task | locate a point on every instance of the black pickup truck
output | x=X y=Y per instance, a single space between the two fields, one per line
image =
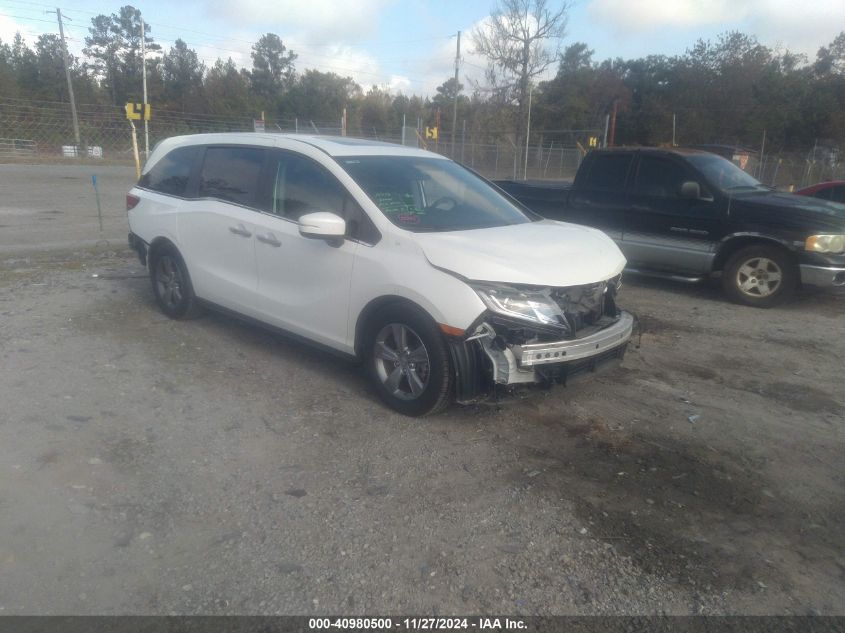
x=693 y=215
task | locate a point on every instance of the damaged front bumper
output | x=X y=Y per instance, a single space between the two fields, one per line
x=484 y=361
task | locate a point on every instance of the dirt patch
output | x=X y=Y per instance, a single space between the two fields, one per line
x=796 y=397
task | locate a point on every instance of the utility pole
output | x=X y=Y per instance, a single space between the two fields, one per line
x=455 y=105
x=66 y=57
x=527 y=133
x=144 y=79
x=674 y=144
x=612 y=141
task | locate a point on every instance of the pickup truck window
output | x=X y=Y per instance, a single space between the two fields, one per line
x=724 y=175
x=430 y=194
x=608 y=172
x=659 y=177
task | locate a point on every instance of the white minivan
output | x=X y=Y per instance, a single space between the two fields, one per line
x=442 y=285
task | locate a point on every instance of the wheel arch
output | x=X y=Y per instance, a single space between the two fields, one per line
x=372 y=308
x=734 y=243
x=160 y=242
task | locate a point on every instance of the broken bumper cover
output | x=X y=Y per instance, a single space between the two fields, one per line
x=562 y=351
x=480 y=364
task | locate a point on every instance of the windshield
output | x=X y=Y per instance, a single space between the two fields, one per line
x=724 y=175
x=430 y=194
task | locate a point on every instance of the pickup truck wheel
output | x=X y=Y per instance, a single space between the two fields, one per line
x=407 y=361
x=172 y=285
x=760 y=275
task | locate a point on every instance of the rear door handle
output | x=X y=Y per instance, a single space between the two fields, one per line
x=269 y=239
x=240 y=230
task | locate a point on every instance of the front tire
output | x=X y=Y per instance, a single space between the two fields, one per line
x=408 y=362
x=760 y=275
x=172 y=284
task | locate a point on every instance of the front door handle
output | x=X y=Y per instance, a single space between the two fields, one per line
x=269 y=239
x=240 y=230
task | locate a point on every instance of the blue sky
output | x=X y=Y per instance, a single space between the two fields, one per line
x=409 y=45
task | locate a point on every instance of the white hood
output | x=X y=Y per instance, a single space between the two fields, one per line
x=545 y=253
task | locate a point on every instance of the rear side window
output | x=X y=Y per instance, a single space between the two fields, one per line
x=824 y=194
x=838 y=194
x=170 y=175
x=609 y=172
x=231 y=174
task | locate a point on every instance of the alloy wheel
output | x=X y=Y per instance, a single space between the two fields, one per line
x=402 y=361
x=759 y=277
x=169 y=281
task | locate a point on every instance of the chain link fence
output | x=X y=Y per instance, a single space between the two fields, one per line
x=44 y=131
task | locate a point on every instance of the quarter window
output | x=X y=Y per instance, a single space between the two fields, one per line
x=231 y=174
x=171 y=173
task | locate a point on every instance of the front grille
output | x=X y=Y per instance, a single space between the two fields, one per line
x=583 y=306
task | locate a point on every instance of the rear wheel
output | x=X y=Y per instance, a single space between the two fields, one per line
x=760 y=275
x=172 y=285
x=408 y=362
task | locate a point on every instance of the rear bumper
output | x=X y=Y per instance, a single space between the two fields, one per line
x=139 y=246
x=823 y=276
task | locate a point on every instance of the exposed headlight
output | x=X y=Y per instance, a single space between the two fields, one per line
x=825 y=243
x=529 y=305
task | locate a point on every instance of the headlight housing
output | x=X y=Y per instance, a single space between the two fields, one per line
x=526 y=305
x=825 y=244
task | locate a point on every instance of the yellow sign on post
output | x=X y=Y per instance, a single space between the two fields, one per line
x=431 y=132
x=138 y=111
x=594 y=141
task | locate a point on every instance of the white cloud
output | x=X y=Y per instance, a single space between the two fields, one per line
x=325 y=20
x=798 y=26
x=8 y=28
x=648 y=15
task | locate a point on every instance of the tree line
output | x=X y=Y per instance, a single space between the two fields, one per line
x=729 y=90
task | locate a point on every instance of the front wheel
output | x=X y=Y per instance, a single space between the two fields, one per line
x=408 y=362
x=760 y=275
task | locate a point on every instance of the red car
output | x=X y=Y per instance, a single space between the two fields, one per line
x=833 y=190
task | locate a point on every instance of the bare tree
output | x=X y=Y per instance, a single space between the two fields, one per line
x=520 y=40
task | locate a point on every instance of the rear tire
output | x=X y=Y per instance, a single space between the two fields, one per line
x=407 y=361
x=760 y=275
x=172 y=286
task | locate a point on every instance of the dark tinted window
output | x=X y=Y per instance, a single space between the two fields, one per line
x=659 y=177
x=231 y=173
x=608 y=172
x=824 y=194
x=838 y=194
x=170 y=175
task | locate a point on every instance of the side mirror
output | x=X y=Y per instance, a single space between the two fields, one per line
x=691 y=190
x=322 y=225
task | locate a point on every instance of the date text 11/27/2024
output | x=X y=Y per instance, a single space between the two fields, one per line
x=418 y=624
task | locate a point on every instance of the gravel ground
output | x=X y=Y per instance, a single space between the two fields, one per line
x=55 y=206
x=149 y=466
